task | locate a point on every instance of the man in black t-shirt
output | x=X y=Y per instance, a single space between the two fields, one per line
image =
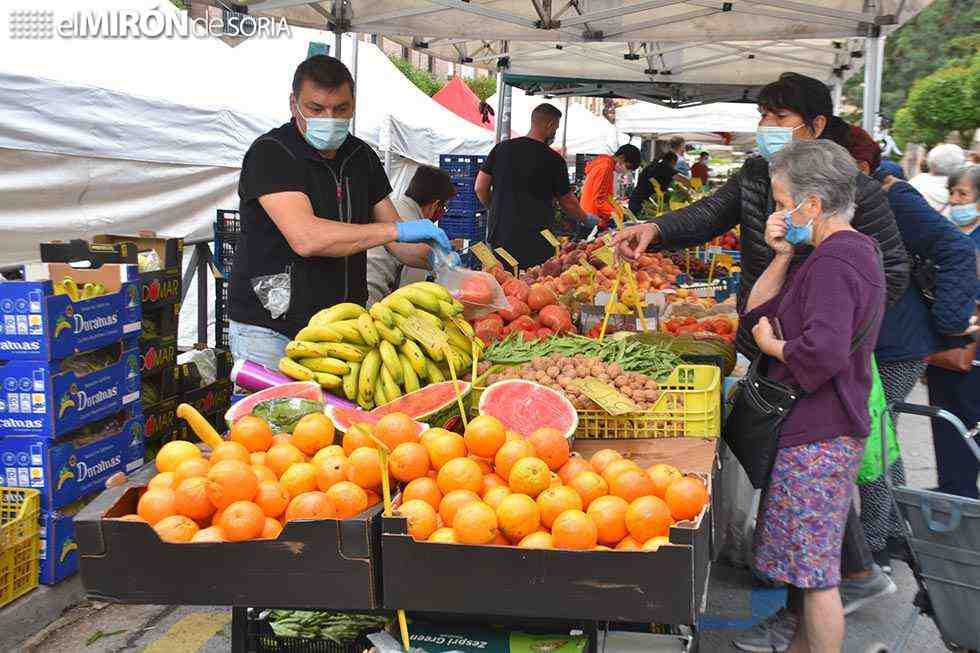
x=520 y=181
x=665 y=172
x=313 y=200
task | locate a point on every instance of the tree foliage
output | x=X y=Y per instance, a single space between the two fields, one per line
x=946 y=101
x=484 y=87
x=423 y=79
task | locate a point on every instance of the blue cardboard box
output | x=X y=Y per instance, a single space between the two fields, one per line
x=39 y=399
x=40 y=325
x=59 y=551
x=68 y=470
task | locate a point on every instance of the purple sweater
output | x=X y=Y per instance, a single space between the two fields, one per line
x=824 y=301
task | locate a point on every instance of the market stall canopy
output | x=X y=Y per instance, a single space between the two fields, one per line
x=643 y=118
x=461 y=100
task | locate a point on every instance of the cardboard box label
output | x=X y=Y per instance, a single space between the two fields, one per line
x=211 y=398
x=157 y=353
x=160 y=419
x=59 y=550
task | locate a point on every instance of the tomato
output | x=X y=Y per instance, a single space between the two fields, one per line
x=721 y=326
x=689 y=320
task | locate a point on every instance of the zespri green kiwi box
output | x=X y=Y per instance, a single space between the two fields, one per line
x=436 y=639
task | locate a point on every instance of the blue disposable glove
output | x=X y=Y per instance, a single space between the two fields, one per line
x=591 y=221
x=454 y=260
x=421 y=231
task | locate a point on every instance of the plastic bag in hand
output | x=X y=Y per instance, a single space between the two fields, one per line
x=273 y=291
x=479 y=292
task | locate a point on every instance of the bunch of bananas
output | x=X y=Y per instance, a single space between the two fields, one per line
x=67 y=286
x=375 y=356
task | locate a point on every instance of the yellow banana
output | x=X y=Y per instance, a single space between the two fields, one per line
x=319 y=334
x=435 y=375
x=368 y=375
x=436 y=322
x=415 y=356
x=399 y=305
x=328 y=381
x=379 y=393
x=389 y=358
x=71 y=289
x=88 y=290
x=393 y=335
x=435 y=354
x=420 y=298
x=336 y=313
x=350 y=381
x=300 y=349
x=458 y=305
x=365 y=326
x=464 y=326
x=341 y=350
x=294 y=370
x=364 y=402
x=382 y=313
x=392 y=391
x=408 y=372
x=457 y=338
x=446 y=310
x=465 y=356
x=59 y=288
x=433 y=288
x=326 y=364
x=348 y=332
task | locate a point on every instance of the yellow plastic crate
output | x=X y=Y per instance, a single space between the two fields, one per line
x=689 y=407
x=20 y=542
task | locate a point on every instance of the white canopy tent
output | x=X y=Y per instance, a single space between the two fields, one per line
x=703 y=123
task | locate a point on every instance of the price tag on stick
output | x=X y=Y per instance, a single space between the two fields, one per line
x=609 y=398
x=508 y=259
x=482 y=252
x=550 y=237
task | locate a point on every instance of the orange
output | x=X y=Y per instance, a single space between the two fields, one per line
x=242 y=520
x=617 y=467
x=499 y=540
x=475 y=523
x=365 y=467
x=163 y=480
x=509 y=454
x=431 y=434
x=176 y=528
x=686 y=497
x=518 y=516
x=271 y=498
x=631 y=484
x=425 y=489
x=655 y=543
x=310 y=505
x=348 y=499
x=157 y=504
x=609 y=516
x=216 y=517
x=602 y=458
x=460 y=474
x=513 y=435
x=130 y=517
x=551 y=446
x=312 y=433
x=229 y=450
x=444 y=448
x=257 y=457
x=538 y=540
x=662 y=475
x=280 y=438
x=230 y=481
x=589 y=486
x=281 y=456
x=191 y=498
x=299 y=478
x=444 y=535
x=555 y=480
x=491 y=481
x=190 y=468
x=330 y=471
x=174 y=453
x=495 y=495
x=484 y=435
x=574 y=530
x=328 y=452
x=530 y=476
x=395 y=428
x=421 y=518
x=263 y=473
x=484 y=464
x=251 y=432
x=556 y=500
x=576 y=465
x=452 y=502
x=408 y=461
x=373 y=498
x=357 y=436
x=648 y=517
x=271 y=529
x=209 y=534
x=628 y=544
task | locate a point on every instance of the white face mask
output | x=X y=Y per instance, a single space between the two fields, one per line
x=325 y=133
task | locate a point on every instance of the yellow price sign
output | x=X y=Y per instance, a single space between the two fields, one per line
x=605 y=254
x=486 y=257
x=550 y=237
x=508 y=259
x=609 y=398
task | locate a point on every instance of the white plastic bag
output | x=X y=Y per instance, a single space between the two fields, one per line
x=479 y=292
x=274 y=292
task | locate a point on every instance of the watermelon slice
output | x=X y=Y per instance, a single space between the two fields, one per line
x=434 y=404
x=342 y=418
x=525 y=406
x=297 y=390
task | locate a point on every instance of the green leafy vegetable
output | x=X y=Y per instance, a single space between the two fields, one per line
x=340 y=628
x=283 y=413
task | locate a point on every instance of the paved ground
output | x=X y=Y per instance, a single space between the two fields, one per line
x=733 y=604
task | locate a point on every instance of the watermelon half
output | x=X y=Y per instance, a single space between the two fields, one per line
x=525 y=406
x=434 y=404
x=297 y=390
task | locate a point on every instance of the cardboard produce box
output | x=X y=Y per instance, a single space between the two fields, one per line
x=160 y=420
x=326 y=564
x=161 y=321
x=454 y=638
x=160 y=287
x=59 y=551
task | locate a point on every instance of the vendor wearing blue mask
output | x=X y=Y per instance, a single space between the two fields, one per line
x=313 y=200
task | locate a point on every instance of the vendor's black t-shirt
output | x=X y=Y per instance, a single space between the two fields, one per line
x=663 y=172
x=527 y=177
x=344 y=189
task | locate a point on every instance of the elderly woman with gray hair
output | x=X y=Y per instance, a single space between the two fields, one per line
x=816 y=320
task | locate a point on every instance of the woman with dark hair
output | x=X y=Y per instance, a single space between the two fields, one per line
x=664 y=170
x=794 y=107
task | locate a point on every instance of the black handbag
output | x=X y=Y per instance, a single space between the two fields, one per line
x=760 y=407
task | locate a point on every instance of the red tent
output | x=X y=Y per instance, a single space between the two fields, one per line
x=461 y=100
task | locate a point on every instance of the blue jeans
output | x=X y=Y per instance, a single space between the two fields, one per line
x=257 y=344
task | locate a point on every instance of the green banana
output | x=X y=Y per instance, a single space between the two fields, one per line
x=420 y=298
x=365 y=326
x=382 y=313
x=457 y=338
x=435 y=375
x=350 y=381
x=324 y=364
x=458 y=305
x=415 y=357
x=392 y=391
x=446 y=310
x=399 y=305
x=327 y=380
x=319 y=334
x=393 y=335
x=336 y=313
x=408 y=372
x=294 y=370
x=389 y=358
x=379 y=392
x=368 y=375
x=433 y=288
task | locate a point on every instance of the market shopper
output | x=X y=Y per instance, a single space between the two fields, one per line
x=313 y=200
x=700 y=169
x=956 y=391
x=425 y=198
x=520 y=182
x=600 y=176
x=664 y=171
x=942 y=161
x=678 y=147
x=829 y=308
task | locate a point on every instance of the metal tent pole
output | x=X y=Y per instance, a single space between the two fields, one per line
x=564 y=132
x=837 y=94
x=874 y=51
x=502 y=131
x=337 y=40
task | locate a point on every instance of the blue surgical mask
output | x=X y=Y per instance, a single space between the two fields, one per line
x=798 y=234
x=325 y=133
x=769 y=140
x=963 y=215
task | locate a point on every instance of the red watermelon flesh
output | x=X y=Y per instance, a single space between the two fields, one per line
x=424 y=402
x=342 y=418
x=297 y=390
x=524 y=406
